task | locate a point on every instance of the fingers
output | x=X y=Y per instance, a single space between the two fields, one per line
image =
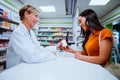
x=59 y=45
x=63 y=48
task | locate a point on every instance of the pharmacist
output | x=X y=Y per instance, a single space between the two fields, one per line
x=23 y=45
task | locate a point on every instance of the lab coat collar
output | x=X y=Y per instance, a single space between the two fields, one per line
x=22 y=26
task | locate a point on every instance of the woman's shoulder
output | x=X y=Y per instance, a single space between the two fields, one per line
x=106 y=30
x=106 y=33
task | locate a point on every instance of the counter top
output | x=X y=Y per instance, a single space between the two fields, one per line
x=63 y=68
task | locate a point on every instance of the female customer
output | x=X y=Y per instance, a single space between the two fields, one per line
x=98 y=40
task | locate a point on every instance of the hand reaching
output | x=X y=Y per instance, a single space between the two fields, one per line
x=67 y=49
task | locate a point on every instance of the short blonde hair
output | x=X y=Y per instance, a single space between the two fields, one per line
x=28 y=8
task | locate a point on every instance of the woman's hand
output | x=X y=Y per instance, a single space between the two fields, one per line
x=68 y=49
x=78 y=55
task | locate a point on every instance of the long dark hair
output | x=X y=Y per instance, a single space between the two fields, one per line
x=91 y=22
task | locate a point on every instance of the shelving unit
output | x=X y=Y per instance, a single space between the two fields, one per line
x=8 y=20
x=78 y=38
x=5 y=33
x=116 y=35
x=50 y=35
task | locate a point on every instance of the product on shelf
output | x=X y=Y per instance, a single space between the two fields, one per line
x=1 y=14
x=51 y=35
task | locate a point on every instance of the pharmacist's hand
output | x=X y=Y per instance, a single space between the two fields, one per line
x=59 y=45
x=67 y=49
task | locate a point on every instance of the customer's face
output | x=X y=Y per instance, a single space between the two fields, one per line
x=32 y=18
x=82 y=23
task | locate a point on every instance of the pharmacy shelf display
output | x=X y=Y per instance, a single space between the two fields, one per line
x=6 y=28
x=5 y=31
x=51 y=35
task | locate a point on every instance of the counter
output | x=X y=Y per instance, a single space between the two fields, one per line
x=63 y=68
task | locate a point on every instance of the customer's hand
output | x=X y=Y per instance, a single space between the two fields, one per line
x=78 y=55
x=68 y=49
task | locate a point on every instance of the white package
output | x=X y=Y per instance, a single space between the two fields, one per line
x=64 y=43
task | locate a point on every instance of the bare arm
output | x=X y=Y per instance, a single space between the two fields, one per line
x=105 y=51
x=69 y=49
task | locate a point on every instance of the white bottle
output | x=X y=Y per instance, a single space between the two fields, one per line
x=64 y=43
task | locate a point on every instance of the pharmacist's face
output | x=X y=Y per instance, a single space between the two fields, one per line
x=82 y=23
x=32 y=18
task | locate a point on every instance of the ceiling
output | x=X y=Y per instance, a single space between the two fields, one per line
x=59 y=5
x=67 y=8
x=100 y=10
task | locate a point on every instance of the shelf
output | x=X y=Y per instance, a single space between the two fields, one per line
x=51 y=35
x=54 y=31
x=44 y=44
x=80 y=36
x=2 y=49
x=46 y=35
x=2 y=60
x=53 y=40
x=47 y=40
x=78 y=30
x=71 y=42
x=4 y=39
x=79 y=42
x=8 y=20
x=5 y=29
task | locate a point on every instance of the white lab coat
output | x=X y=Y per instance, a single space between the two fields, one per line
x=24 y=47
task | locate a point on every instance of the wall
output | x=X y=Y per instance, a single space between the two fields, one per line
x=61 y=22
x=13 y=5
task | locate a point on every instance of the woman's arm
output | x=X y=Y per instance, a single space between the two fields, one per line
x=69 y=49
x=104 y=54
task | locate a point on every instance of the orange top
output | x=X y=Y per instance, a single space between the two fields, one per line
x=92 y=45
